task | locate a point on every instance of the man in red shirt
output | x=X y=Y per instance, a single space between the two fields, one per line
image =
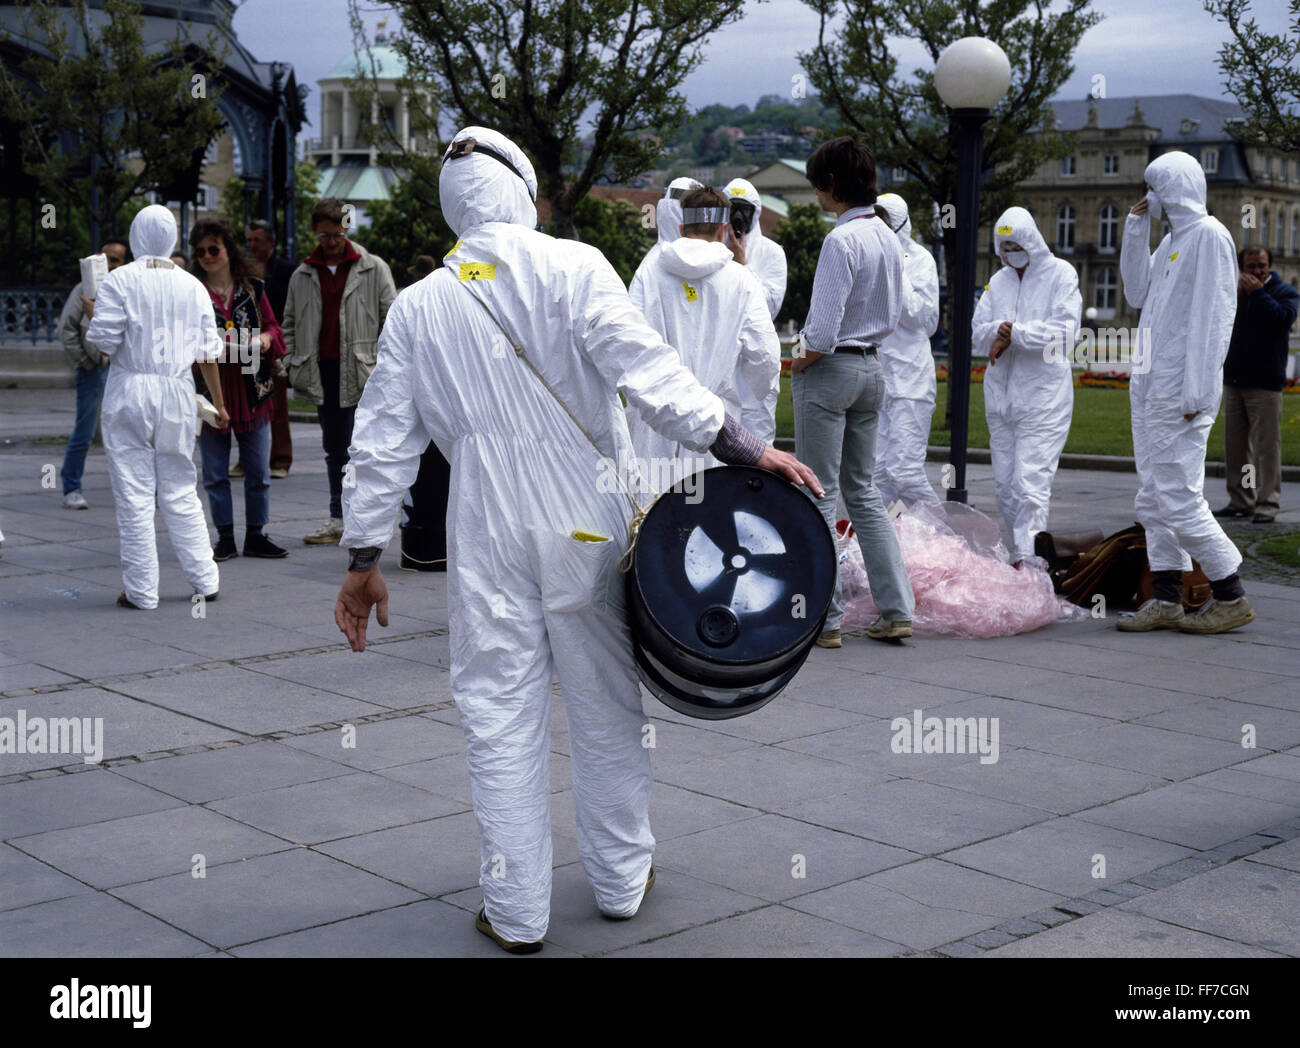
x=337 y=302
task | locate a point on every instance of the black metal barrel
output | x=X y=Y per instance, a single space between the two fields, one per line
x=729 y=587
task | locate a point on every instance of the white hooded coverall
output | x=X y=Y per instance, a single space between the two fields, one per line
x=713 y=312
x=526 y=600
x=668 y=218
x=1029 y=392
x=154 y=321
x=766 y=260
x=1187 y=292
x=903 y=433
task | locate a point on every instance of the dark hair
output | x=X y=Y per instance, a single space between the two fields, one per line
x=116 y=240
x=1254 y=249
x=706 y=197
x=331 y=209
x=185 y=259
x=845 y=168
x=225 y=232
x=264 y=226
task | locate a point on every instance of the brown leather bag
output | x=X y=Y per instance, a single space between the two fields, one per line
x=1061 y=548
x=1117 y=569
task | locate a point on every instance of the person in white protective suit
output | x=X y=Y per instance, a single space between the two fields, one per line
x=510 y=358
x=1187 y=292
x=668 y=218
x=153 y=321
x=712 y=310
x=903 y=433
x=1026 y=322
x=764 y=258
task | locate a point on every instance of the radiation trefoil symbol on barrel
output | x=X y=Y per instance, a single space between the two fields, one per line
x=732 y=568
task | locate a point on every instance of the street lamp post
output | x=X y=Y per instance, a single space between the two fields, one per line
x=971 y=76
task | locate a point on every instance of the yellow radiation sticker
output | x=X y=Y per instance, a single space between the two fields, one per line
x=1005 y=231
x=454 y=250
x=1173 y=257
x=986 y=287
x=587 y=536
x=691 y=294
x=737 y=191
x=478 y=271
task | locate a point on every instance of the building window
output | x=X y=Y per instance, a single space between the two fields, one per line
x=1295 y=170
x=1105 y=294
x=1295 y=233
x=1281 y=232
x=1210 y=161
x=1108 y=228
x=1068 y=165
x=1277 y=168
x=1111 y=164
x=1065 y=228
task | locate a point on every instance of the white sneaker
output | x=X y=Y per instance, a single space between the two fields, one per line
x=328 y=535
x=75 y=500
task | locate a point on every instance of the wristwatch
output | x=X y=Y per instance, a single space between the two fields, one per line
x=363 y=558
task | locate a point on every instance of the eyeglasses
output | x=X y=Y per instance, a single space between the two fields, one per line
x=212 y=250
x=331 y=236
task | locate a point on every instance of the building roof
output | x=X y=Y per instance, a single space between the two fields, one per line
x=1164 y=112
x=388 y=64
x=359 y=182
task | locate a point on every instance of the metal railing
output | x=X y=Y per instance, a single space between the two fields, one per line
x=31 y=313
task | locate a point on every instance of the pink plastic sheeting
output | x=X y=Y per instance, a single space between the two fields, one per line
x=961 y=577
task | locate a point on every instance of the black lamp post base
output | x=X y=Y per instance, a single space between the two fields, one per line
x=957 y=495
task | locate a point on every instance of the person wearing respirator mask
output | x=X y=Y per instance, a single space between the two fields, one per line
x=1187 y=292
x=903 y=434
x=1026 y=322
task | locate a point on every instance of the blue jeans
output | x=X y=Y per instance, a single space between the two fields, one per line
x=90 y=394
x=255 y=454
x=837 y=402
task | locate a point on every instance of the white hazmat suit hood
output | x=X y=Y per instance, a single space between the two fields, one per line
x=1029 y=391
x=537 y=517
x=1187 y=292
x=153 y=233
x=903 y=432
x=668 y=211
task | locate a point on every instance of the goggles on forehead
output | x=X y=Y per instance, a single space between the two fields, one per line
x=466 y=146
x=709 y=215
x=678 y=193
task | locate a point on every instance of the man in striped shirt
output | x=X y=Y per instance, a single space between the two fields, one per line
x=837 y=382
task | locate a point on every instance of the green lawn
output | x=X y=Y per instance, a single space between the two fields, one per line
x=1100 y=426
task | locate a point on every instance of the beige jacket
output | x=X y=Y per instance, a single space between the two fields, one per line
x=73 y=325
x=368 y=293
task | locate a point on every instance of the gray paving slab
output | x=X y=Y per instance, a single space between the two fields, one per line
x=924 y=904
x=91 y=925
x=434 y=857
x=1115 y=933
x=675 y=812
x=447 y=776
x=1189 y=815
x=25 y=881
x=1247 y=902
x=383 y=744
x=1249 y=784
x=1142 y=748
x=337 y=807
x=1273 y=729
x=246 y=701
x=422 y=929
x=429 y=651
x=967 y=673
x=1287 y=856
x=141 y=847
x=1280 y=765
x=918 y=816
x=73 y=800
x=788 y=718
x=18 y=675
x=126 y=727
x=101 y=654
x=370 y=675
x=674 y=743
x=1061 y=856
x=775 y=858
x=232 y=771
x=268 y=895
x=772 y=931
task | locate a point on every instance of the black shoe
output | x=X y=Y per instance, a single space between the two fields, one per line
x=1230 y=512
x=208 y=596
x=484 y=925
x=123 y=601
x=258 y=545
x=225 y=548
x=1262 y=518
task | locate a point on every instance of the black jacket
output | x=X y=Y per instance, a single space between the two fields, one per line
x=278 y=272
x=1258 y=351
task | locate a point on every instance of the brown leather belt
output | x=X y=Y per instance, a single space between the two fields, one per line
x=862 y=351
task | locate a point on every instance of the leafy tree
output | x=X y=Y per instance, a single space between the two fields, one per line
x=306 y=192
x=231 y=206
x=406 y=226
x=110 y=121
x=616 y=229
x=905 y=122
x=538 y=69
x=801 y=236
x=1262 y=71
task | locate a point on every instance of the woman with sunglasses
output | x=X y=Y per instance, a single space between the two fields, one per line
x=253 y=343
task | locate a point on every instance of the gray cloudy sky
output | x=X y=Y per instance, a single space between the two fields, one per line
x=1161 y=47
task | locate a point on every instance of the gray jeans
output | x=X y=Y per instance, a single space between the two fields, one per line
x=837 y=402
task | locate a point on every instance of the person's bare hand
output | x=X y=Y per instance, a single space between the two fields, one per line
x=223 y=416
x=801 y=362
x=1248 y=283
x=737 y=244
x=88 y=307
x=1188 y=418
x=1004 y=330
x=791 y=468
x=1140 y=208
x=361 y=591
x=1000 y=346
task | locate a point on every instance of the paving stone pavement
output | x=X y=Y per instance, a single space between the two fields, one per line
x=1125 y=815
